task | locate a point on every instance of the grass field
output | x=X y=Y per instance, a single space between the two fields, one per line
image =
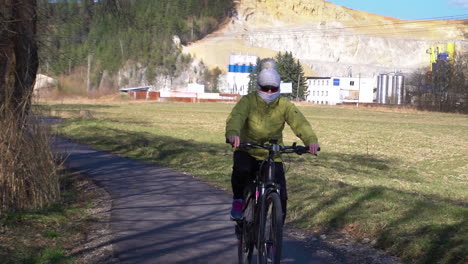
x=399 y=178
x=50 y=235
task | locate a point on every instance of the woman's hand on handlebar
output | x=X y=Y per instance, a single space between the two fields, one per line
x=314 y=148
x=234 y=141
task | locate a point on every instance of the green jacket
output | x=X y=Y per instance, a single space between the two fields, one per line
x=254 y=120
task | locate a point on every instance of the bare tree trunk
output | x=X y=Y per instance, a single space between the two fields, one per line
x=18 y=56
x=28 y=174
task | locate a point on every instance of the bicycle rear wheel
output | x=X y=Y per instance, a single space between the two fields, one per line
x=246 y=239
x=270 y=235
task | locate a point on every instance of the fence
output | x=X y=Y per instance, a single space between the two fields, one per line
x=183 y=96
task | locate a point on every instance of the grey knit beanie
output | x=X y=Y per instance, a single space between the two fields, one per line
x=268 y=63
x=268 y=76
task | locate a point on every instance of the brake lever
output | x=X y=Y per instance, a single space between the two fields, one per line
x=316 y=154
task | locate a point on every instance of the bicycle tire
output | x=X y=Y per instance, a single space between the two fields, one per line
x=270 y=230
x=246 y=239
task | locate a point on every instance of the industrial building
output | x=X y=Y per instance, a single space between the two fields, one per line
x=386 y=88
x=239 y=69
x=338 y=90
x=441 y=52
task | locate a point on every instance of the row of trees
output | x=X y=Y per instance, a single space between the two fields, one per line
x=290 y=71
x=107 y=33
x=444 y=89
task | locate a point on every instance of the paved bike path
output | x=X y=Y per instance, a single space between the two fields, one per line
x=160 y=215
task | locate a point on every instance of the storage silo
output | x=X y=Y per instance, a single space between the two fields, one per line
x=382 y=89
x=399 y=84
x=390 y=92
x=393 y=89
x=239 y=69
x=232 y=64
x=451 y=52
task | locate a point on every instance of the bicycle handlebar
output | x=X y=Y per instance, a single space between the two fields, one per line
x=275 y=147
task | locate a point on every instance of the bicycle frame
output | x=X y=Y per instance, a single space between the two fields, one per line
x=266 y=179
x=267 y=183
x=261 y=196
x=257 y=197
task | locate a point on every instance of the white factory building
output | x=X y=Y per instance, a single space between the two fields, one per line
x=239 y=69
x=384 y=88
x=338 y=90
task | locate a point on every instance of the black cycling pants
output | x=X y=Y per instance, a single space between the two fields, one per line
x=243 y=172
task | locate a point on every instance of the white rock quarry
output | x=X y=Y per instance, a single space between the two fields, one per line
x=341 y=53
x=330 y=39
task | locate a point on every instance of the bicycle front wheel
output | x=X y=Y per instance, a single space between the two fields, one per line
x=270 y=230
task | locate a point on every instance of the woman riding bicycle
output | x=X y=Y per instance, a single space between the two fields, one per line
x=259 y=117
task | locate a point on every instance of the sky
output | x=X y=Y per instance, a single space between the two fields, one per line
x=410 y=9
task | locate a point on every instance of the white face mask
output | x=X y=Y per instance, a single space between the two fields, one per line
x=268 y=97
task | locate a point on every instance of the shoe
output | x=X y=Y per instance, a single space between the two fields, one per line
x=236 y=211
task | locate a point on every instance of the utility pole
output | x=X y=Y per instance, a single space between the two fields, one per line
x=121 y=49
x=88 y=88
x=297 y=90
x=359 y=90
x=191 y=36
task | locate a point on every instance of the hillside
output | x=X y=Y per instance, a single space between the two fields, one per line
x=329 y=39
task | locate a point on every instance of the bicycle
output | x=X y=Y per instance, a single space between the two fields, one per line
x=261 y=225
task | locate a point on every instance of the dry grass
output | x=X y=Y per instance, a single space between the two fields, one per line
x=28 y=169
x=83 y=100
x=56 y=233
x=73 y=85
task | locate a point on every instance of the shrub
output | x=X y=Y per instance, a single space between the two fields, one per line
x=29 y=176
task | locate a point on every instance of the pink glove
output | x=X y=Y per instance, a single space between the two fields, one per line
x=313 y=148
x=234 y=140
